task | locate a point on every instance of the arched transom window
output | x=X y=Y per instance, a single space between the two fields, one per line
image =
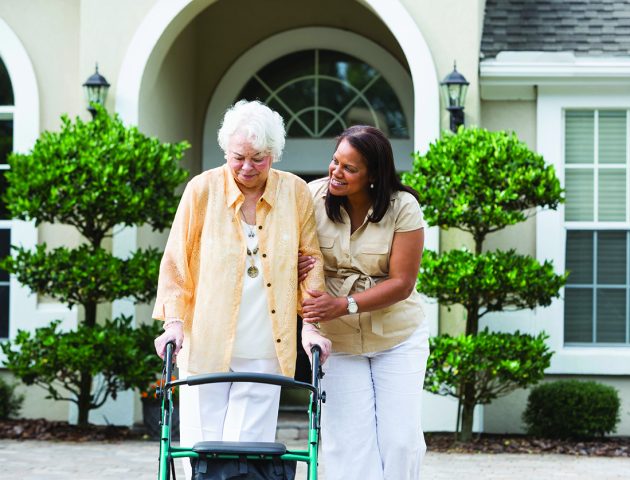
x=321 y=92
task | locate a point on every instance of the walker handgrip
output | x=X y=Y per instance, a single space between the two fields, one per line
x=243 y=377
x=168 y=357
x=316 y=352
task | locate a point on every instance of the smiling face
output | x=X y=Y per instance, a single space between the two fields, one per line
x=249 y=167
x=348 y=173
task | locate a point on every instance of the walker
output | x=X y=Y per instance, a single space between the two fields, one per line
x=242 y=460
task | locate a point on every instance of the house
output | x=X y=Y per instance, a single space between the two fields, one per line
x=554 y=72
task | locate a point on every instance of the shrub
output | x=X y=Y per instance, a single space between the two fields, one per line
x=572 y=409
x=10 y=402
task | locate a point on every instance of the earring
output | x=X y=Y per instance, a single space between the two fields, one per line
x=371 y=185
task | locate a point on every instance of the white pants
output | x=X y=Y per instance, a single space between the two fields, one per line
x=371 y=427
x=238 y=412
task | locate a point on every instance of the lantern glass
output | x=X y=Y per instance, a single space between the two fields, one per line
x=96 y=88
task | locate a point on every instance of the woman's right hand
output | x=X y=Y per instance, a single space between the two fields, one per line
x=174 y=333
x=305 y=265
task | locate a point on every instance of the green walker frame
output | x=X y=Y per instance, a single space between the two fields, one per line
x=236 y=450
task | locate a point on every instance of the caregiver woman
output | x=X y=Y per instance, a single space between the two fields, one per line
x=371 y=234
x=228 y=289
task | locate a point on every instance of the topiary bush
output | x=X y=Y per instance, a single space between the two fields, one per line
x=572 y=409
x=96 y=176
x=10 y=402
x=481 y=182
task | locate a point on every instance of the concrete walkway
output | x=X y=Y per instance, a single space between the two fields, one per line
x=137 y=460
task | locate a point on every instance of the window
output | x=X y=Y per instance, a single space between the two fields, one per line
x=321 y=92
x=597 y=294
x=6 y=146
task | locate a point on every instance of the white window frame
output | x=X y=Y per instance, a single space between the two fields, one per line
x=553 y=102
x=558 y=82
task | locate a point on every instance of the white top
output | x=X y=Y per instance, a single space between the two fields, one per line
x=254 y=336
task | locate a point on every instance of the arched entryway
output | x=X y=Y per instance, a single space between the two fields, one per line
x=320 y=80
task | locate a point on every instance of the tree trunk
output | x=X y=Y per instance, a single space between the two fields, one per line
x=90 y=313
x=468 y=410
x=85 y=398
x=85 y=390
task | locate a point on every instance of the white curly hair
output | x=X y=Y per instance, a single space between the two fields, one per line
x=259 y=124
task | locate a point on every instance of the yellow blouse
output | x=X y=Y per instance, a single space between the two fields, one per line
x=201 y=273
x=355 y=262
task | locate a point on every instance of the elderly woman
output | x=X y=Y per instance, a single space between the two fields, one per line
x=371 y=235
x=228 y=290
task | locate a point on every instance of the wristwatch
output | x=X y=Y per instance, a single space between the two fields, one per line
x=352 y=306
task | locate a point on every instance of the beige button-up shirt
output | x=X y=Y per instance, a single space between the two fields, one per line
x=201 y=273
x=355 y=262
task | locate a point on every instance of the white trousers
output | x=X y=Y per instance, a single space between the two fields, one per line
x=238 y=412
x=371 y=427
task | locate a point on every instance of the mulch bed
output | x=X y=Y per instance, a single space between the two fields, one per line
x=491 y=443
x=40 y=429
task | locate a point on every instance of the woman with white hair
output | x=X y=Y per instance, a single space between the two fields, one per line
x=228 y=291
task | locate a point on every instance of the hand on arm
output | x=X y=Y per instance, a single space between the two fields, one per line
x=305 y=265
x=404 y=263
x=323 y=307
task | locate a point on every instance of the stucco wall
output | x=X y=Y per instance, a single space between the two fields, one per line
x=520 y=118
x=64 y=38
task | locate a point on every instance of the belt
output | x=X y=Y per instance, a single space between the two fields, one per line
x=345 y=282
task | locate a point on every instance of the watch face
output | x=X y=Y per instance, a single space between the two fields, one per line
x=352 y=306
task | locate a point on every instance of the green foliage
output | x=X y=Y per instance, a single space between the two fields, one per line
x=91 y=175
x=481 y=181
x=94 y=175
x=119 y=355
x=86 y=274
x=572 y=409
x=10 y=402
x=496 y=280
x=495 y=363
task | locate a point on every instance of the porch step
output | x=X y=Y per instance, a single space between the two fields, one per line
x=292 y=424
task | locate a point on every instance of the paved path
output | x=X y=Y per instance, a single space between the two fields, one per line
x=137 y=460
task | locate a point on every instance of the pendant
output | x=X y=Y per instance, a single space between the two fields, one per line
x=252 y=271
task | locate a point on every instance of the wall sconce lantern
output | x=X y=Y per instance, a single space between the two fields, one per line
x=454 y=88
x=96 y=88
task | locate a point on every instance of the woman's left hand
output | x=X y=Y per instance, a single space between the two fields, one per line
x=323 y=307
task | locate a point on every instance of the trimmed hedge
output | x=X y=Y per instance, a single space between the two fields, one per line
x=572 y=409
